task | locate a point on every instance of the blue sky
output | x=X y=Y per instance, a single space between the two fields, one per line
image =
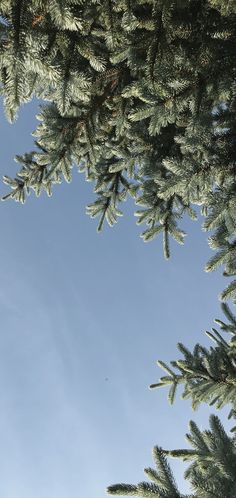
x=84 y=317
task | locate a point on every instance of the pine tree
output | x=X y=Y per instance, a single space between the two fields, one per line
x=141 y=97
x=208 y=375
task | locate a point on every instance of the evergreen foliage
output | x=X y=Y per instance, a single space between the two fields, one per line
x=207 y=376
x=141 y=97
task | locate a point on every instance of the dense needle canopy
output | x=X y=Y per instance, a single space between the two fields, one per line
x=141 y=97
